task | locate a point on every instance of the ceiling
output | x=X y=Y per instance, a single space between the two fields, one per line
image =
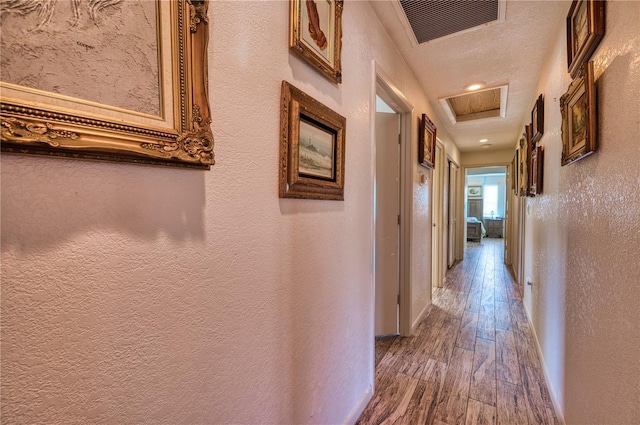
x=504 y=52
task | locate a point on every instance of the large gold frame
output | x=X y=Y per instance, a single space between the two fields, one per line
x=296 y=105
x=28 y=127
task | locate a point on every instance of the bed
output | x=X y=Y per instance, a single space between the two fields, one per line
x=475 y=229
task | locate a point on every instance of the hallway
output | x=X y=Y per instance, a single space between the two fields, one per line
x=473 y=358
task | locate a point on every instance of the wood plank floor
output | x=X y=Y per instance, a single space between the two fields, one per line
x=472 y=360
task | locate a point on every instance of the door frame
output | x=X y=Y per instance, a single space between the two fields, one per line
x=454 y=245
x=437 y=216
x=507 y=207
x=397 y=100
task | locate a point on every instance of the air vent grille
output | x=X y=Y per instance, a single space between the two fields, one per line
x=431 y=19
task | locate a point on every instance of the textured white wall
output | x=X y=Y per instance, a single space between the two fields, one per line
x=137 y=294
x=583 y=237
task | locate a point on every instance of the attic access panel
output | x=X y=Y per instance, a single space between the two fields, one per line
x=487 y=103
x=431 y=19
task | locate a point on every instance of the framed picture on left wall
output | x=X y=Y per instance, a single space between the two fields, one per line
x=427 y=142
x=126 y=83
x=315 y=34
x=312 y=144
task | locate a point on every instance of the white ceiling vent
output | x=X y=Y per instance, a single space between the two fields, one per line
x=487 y=103
x=431 y=19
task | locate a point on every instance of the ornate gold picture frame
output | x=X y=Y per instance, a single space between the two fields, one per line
x=177 y=133
x=315 y=34
x=579 y=117
x=312 y=143
x=427 y=142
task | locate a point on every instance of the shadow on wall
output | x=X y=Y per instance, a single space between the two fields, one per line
x=45 y=201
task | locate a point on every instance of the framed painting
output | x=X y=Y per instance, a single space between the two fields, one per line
x=109 y=80
x=523 y=160
x=579 y=117
x=537 y=120
x=474 y=192
x=537 y=163
x=312 y=144
x=315 y=33
x=585 y=29
x=426 y=142
x=529 y=148
x=514 y=173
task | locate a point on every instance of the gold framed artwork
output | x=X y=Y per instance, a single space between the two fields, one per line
x=537 y=120
x=140 y=96
x=579 y=117
x=312 y=144
x=474 y=192
x=585 y=29
x=315 y=33
x=426 y=142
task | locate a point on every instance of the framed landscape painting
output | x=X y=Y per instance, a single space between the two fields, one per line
x=315 y=33
x=585 y=29
x=107 y=80
x=579 y=117
x=474 y=192
x=312 y=144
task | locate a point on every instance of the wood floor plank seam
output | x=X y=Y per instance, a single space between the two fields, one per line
x=473 y=358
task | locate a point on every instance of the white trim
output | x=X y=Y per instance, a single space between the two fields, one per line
x=360 y=406
x=424 y=311
x=552 y=394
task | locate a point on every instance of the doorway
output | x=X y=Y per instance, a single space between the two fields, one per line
x=392 y=206
x=437 y=214
x=387 y=222
x=486 y=203
x=452 y=212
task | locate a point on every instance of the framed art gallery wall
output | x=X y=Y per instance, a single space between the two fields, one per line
x=577 y=249
x=169 y=288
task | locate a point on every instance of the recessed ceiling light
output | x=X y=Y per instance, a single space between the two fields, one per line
x=484 y=140
x=487 y=146
x=475 y=86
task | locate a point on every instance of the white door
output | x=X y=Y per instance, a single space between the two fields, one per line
x=387 y=205
x=437 y=234
x=453 y=185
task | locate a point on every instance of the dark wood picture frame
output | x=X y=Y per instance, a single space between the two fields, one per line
x=579 y=117
x=528 y=149
x=585 y=29
x=537 y=119
x=427 y=142
x=312 y=168
x=537 y=170
x=514 y=173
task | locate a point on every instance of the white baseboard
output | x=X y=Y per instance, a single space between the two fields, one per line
x=359 y=407
x=552 y=394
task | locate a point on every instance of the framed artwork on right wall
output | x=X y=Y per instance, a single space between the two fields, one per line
x=579 y=117
x=537 y=119
x=585 y=29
